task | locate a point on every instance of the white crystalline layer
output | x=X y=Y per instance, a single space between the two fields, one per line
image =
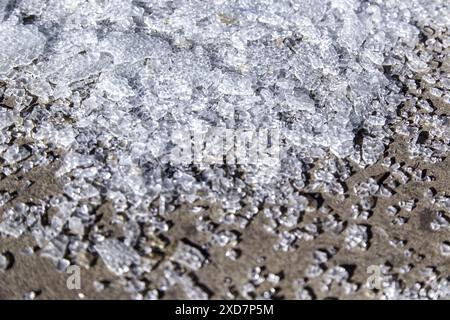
x=14 y=154
x=6 y=118
x=224 y=62
x=117 y=256
x=13 y=224
x=445 y=248
x=173 y=76
x=3 y=7
x=192 y=291
x=129 y=48
x=20 y=45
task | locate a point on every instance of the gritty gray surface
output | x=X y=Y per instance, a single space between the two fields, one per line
x=34 y=273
